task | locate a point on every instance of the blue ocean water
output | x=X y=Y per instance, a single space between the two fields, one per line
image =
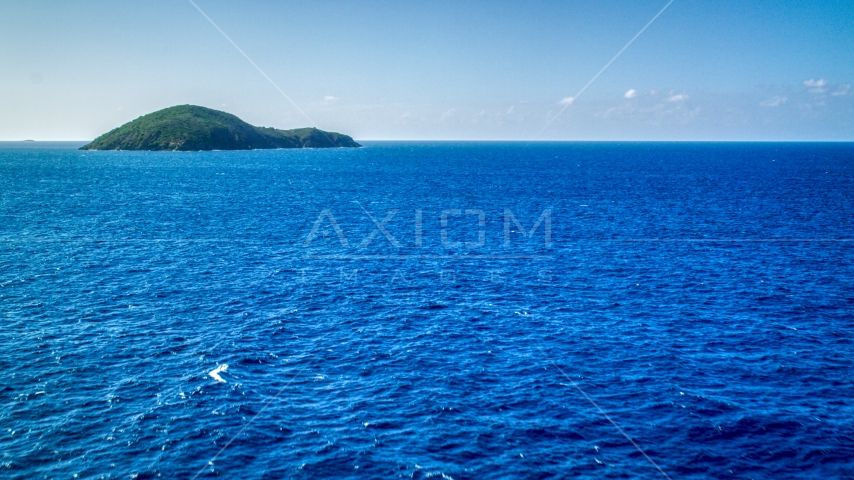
x=390 y=312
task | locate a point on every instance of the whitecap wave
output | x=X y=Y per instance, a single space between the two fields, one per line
x=216 y=371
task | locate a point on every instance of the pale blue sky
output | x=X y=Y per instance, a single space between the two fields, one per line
x=705 y=70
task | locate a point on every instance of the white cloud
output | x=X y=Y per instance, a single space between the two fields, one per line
x=842 y=90
x=816 y=86
x=678 y=98
x=329 y=100
x=510 y=110
x=774 y=101
x=450 y=113
x=632 y=93
x=566 y=101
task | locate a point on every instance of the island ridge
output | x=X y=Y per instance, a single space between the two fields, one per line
x=191 y=128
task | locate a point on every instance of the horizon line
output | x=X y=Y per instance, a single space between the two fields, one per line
x=520 y=140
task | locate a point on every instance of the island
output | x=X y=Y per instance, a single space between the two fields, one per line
x=193 y=128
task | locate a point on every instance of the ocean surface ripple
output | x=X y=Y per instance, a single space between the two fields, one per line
x=387 y=312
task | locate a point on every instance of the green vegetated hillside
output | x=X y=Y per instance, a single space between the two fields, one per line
x=189 y=127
